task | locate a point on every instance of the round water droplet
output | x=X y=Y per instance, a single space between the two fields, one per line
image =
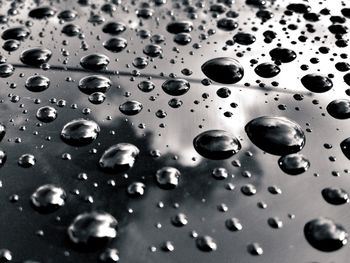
x=325 y=235
x=71 y=30
x=35 y=56
x=92 y=229
x=206 y=243
x=176 y=87
x=179 y=220
x=119 y=157
x=345 y=147
x=152 y=50
x=37 y=83
x=94 y=83
x=97 y=98
x=110 y=255
x=168 y=177
x=335 y=196
x=146 y=86
x=293 y=164
x=216 y=144
x=116 y=44
x=94 y=62
x=317 y=83
x=6 y=70
x=48 y=198
x=223 y=70
x=136 y=189
x=276 y=135
x=283 y=55
x=131 y=107
x=114 y=28
x=80 y=132
x=26 y=160
x=267 y=70
x=244 y=38
x=339 y=109
x=255 y=249
x=46 y=114
x=233 y=224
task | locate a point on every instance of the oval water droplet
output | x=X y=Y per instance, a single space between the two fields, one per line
x=131 y=107
x=325 y=235
x=317 y=83
x=223 y=70
x=80 y=132
x=94 y=61
x=94 y=83
x=176 y=87
x=119 y=158
x=216 y=144
x=37 y=83
x=48 y=198
x=36 y=56
x=276 y=135
x=294 y=164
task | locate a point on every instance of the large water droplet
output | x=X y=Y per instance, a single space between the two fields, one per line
x=317 y=83
x=339 y=109
x=46 y=114
x=216 y=144
x=119 y=157
x=131 y=107
x=48 y=198
x=92 y=229
x=94 y=62
x=325 y=235
x=168 y=177
x=80 y=132
x=37 y=83
x=176 y=87
x=223 y=70
x=36 y=56
x=94 y=83
x=335 y=196
x=294 y=164
x=276 y=135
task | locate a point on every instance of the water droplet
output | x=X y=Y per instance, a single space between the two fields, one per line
x=317 y=83
x=37 y=83
x=6 y=70
x=92 y=229
x=168 y=177
x=94 y=62
x=36 y=56
x=325 y=235
x=114 y=28
x=19 y=33
x=116 y=44
x=42 y=12
x=119 y=157
x=223 y=70
x=131 y=107
x=26 y=160
x=46 y=114
x=267 y=70
x=345 y=147
x=206 y=243
x=233 y=224
x=48 y=198
x=283 y=55
x=179 y=220
x=293 y=164
x=176 y=87
x=179 y=27
x=276 y=135
x=94 y=83
x=335 y=196
x=216 y=144
x=80 y=132
x=136 y=189
x=339 y=109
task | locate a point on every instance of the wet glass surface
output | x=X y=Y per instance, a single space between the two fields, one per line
x=130 y=182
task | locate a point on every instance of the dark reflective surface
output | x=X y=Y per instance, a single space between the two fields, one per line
x=240 y=209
